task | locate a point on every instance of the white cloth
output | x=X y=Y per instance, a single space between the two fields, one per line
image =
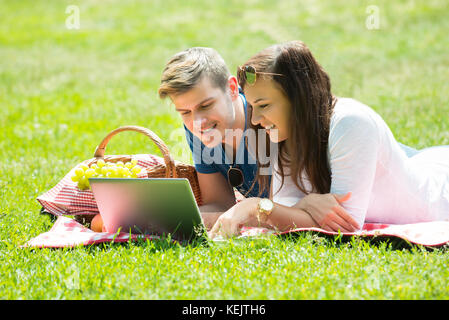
x=386 y=185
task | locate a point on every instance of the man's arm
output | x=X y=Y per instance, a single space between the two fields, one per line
x=217 y=196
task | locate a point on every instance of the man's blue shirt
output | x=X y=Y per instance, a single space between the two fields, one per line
x=211 y=160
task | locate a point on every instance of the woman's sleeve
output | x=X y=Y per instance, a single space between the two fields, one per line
x=353 y=156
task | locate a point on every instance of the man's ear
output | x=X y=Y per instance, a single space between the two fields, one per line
x=233 y=87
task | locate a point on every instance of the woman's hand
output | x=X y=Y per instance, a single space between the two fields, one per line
x=231 y=221
x=327 y=211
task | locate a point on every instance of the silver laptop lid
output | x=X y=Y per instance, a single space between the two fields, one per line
x=149 y=206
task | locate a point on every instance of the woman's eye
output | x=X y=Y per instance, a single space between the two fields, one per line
x=262 y=106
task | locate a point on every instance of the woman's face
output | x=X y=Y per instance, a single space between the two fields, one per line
x=271 y=108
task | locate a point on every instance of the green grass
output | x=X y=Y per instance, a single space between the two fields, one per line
x=62 y=91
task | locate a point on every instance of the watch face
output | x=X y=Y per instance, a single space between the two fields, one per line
x=266 y=204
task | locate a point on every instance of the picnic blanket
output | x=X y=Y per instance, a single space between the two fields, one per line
x=67 y=232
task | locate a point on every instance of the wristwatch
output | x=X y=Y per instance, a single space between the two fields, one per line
x=264 y=209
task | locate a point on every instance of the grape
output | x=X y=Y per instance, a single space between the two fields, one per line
x=83 y=183
x=79 y=172
x=112 y=171
x=103 y=169
x=136 y=169
x=121 y=171
x=89 y=173
x=128 y=165
x=100 y=163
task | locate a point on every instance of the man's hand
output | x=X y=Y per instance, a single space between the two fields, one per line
x=327 y=211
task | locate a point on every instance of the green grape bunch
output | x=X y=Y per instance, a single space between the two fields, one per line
x=103 y=169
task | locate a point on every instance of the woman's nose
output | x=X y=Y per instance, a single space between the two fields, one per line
x=255 y=118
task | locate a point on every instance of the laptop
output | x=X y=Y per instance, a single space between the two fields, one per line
x=158 y=206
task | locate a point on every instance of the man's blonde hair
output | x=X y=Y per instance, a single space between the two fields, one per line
x=186 y=68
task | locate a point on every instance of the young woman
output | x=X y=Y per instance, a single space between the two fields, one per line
x=329 y=146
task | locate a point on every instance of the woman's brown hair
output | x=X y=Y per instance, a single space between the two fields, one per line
x=308 y=89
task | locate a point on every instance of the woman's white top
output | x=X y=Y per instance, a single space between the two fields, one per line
x=386 y=185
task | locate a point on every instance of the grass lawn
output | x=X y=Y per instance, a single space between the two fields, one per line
x=62 y=90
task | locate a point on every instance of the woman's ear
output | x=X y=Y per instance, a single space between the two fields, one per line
x=233 y=87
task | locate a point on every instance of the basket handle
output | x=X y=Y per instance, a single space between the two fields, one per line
x=169 y=162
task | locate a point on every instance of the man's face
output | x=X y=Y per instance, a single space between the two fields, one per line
x=207 y=111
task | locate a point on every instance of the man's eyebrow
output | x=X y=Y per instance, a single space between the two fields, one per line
x=199 y=104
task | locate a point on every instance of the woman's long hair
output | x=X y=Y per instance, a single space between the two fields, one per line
x=308 y=89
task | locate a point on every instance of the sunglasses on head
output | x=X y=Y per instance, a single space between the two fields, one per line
x=235 y=177
x=248 y=74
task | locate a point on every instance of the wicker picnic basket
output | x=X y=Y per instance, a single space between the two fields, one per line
x=171 y=168
x=65 y=198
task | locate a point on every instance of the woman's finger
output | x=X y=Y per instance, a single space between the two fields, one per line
x=342 y=197
x=347 y=217
x=337 y=221
x=341 y=223
x=336 y=227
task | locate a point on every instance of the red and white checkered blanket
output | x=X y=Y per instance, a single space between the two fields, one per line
x=66 y=199
x=67 y=232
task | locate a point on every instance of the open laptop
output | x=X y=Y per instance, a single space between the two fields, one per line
x=158 y=206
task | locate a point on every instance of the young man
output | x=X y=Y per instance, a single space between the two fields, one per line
x=215 y=116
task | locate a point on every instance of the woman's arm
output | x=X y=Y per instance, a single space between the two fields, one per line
x=354 y=145
x=245 y=213
x=284 y=218
x=327 y=211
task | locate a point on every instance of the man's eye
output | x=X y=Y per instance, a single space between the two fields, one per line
x=262 y=106
x=206 y=106
x=185 y=113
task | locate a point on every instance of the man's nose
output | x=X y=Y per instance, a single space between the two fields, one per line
x=199 y=120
